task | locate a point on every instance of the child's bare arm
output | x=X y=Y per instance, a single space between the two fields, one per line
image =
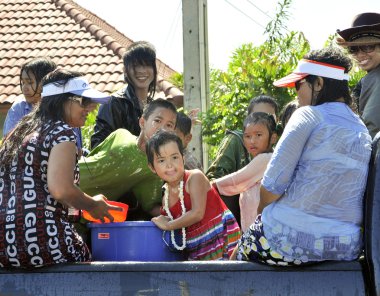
x=197 y=186
x=245 y=178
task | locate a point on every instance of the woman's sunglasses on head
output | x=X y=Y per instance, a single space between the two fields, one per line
x=363 y=48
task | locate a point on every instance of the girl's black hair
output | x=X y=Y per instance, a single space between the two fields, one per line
x=51 y=108
x=287 y=112
x=158 y=140
x=262 y=99
x=332 y=89
x=39 y=67
x=265 y=119
x=141 y=53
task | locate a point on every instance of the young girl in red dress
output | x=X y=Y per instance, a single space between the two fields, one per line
x=190 y=203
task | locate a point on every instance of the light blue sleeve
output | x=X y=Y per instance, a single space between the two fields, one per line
x=14 y=115
x=287 y=154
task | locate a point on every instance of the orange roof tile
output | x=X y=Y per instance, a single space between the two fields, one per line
x=70 y=35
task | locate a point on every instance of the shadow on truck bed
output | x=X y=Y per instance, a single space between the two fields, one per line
x=360 y=277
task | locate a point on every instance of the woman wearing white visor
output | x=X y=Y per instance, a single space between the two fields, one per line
x=311 y=194
x=39 y=176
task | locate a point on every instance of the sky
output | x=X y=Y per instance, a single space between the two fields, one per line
x=231 y=23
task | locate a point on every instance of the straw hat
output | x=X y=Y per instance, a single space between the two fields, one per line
x=365 y=29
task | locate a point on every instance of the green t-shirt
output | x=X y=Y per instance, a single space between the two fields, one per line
x=231 y=156
x=117 y=166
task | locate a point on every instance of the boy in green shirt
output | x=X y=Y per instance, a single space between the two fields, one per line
x=118 y=167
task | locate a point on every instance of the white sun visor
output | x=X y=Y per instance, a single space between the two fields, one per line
x=78 y=86
x=308 y=67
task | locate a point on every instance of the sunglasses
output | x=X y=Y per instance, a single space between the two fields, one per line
x=83 y=102
x=298 y=84
x=363 y=48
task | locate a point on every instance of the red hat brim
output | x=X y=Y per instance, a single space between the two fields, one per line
x=290 y=80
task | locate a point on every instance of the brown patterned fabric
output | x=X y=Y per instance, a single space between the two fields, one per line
x=34 y=227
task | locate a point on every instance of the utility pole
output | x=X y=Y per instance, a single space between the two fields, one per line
x=196 y=71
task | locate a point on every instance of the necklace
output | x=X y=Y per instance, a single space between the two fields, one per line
x=166 y=208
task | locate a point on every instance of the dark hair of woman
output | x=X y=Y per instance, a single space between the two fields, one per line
x=332 y=89
x=51 y=108
x=141 y=53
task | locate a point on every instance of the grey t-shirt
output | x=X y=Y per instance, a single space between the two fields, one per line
x=369 y=101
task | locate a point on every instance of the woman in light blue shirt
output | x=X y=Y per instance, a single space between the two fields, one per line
x=31 y=75
x=311 y=198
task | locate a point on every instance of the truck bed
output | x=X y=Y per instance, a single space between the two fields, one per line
x=186 y=278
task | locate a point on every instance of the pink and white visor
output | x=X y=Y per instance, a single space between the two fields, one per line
x=308 y=67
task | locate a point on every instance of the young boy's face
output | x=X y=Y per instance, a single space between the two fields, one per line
x=169 y=164
x=161 y=118
x=184 y=138
x=264 y=107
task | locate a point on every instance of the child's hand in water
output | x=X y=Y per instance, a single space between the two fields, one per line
x=161 y=222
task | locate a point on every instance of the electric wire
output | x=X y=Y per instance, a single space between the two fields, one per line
x=263 y=12
x=259 y=9
x=171 y=32
x=256 y=22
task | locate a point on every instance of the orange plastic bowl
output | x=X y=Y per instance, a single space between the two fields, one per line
x=118 y=216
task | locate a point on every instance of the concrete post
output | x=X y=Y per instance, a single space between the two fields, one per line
x=195 y=64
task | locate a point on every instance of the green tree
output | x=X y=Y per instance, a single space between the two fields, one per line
x=88 y=129
x=251 y=72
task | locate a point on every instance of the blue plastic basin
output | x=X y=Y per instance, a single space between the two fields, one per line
x=130 y=241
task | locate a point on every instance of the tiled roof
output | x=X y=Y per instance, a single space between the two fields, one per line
x=70 y=35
